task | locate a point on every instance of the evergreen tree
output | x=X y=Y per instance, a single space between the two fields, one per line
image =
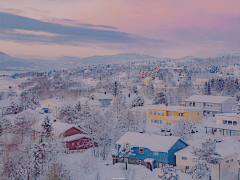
x=115 y=88
x=78 y=108
x=29 y=100
x=183 y=130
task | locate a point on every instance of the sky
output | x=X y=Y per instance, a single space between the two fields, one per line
x=162 y=28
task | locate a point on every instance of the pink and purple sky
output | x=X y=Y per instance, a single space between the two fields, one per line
x=162 y=28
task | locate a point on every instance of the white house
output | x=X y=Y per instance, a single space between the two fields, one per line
x=212 y=104
x=227 y=124
x=185 y=159
x=104 y=98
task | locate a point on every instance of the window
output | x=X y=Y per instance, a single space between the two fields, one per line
x=190 y=103
x=155 y=153
x=193 y=103
x=152 y=120
x=224 y=121
x=77 y=143
x=235 y=123
x=150 y=112
x=184 y=158
x=116 y=146
x=181 y=114
x=141 y=150
x=231 y=160
x=227 y=161
x=154 y=113
x=156 y=121
x=138 y=161
x=204 y=104
x=171 y=113
x=198 y=113
x=229 y=122
x=160 y=122
x=73 y=144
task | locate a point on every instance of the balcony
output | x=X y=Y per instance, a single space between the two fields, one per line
x=176 y=118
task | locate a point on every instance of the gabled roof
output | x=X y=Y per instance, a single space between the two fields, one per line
x=150 y=141
x=205 y=98
x=103 y=95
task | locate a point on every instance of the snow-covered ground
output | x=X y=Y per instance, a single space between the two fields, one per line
x=108 y=171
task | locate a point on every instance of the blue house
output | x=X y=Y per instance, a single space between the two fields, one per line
x=152 y=151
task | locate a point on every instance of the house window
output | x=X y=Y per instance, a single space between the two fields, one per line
x=235 y=123
x=154 y=113
x=224 y=121
x=204 y=104
x=181 y=114
x=152 y=120
x=72 y=143
x=171 y=113
x=155 y=153
x=184 y=158
x=229 y=122
x=77 y=143
x=138 y=161
x=116 y=146
x=140 y=150
x=156 y=121
x=227 y=161
x=231 y=160
x=198 y=113
x=190 y=103
x=150 y=112
x=160 y=122
x=193 y=103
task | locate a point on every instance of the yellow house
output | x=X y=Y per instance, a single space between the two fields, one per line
x=160 y=115
x=202 y=81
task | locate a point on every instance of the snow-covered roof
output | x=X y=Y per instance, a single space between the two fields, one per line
x=174 y=108
x=225 y=148
x=133 y=95
x=4 y=103
x=228 y=114
x=205 y=98
x=152 y=142
x=103 y=95
x=149 y=160
x=75 y=136
x=58 y=127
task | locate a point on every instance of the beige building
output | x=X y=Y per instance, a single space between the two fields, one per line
x=185 y=159
x=202 y=81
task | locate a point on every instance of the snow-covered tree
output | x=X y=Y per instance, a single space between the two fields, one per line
x=68 y=114
x=150 y=91
x=168 y=172
x=166 y=130
x=29 y=100
x=182 y=130
x=78 y=107
x=86 y=110
x=206 y=157
x=200 y=170
x=57 y=171
x=160 y=98
x=138 y=101
x=125 y=151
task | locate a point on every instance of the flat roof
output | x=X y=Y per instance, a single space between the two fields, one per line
x=174 y=108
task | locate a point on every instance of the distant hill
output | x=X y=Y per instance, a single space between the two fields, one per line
x=8 y=63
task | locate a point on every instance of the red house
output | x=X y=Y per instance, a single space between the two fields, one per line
x=76 y=140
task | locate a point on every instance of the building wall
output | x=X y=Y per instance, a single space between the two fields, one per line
x=82 y=143
x=46 y=104
x=227 y=105
x=188 y=115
